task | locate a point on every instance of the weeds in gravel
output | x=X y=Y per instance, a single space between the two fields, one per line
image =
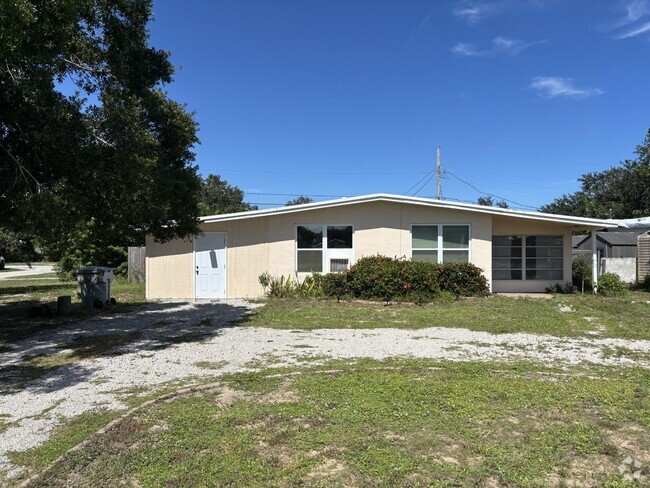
x=211 y=364
x=397 y=423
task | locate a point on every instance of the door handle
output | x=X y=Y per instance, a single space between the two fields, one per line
x=197 y=270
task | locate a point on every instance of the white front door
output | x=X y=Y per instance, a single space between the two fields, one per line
x=210 y=265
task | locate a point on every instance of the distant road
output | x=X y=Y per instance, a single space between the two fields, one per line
x=22 y=270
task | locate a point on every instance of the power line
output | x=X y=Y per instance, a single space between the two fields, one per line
x=425 y=183
x=419 y=181
x=365 y=173
x=294 y=194
x=486 y=193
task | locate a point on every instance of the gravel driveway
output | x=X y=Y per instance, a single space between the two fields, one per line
x=166 y=342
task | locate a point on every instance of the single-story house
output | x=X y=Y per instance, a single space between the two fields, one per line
x=518 y=251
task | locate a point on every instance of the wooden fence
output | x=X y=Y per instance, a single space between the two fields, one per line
x=136 y=264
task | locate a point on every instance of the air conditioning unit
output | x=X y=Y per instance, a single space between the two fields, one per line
x=339 y=265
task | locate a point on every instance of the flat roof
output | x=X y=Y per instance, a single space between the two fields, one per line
x=581 y=222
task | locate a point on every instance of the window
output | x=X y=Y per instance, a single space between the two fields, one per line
x=440 y=243
x=323 y=247
x=310 y=248
x=527 y=258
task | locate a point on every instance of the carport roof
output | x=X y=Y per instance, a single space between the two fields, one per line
x=579 y=222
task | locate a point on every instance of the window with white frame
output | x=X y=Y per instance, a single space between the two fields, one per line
x=527 y=258
x=440 y=243
x=324 y=248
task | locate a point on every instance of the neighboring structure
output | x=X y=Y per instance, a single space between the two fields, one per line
x=609 y=244
x=617 y=250
x=518 y=251
x=643 y=259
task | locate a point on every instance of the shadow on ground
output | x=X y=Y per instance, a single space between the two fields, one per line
x=50 y=359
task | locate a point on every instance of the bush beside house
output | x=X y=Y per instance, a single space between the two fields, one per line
x=611 y=284
x=381 y=277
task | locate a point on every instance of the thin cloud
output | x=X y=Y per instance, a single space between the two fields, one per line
x=474 y=12
x=632 y=24
x=553 y=86
x=465 y=49
x=637 y=31
x=634 y=11
x=422 y=29
x=499 y=46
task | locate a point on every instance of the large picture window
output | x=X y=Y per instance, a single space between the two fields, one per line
x=440 y=243
x=527 y=258
x=323 y=248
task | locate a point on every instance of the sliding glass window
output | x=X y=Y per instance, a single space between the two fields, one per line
x=527 y=258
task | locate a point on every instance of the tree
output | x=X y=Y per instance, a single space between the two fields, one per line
x=617 y=193
x=299 y=201
x=219 y=197
x=108 y=164
x=489 y=202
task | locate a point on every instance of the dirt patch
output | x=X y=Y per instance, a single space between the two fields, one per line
x=123 y=434
x=491 y=483
x=276 y=456
x=584 y=472
x=391 y=436
x=326 y=452
x=282 y=394
x=227 y=396
x=330 y=468
x=160 y=427
x=628 y=440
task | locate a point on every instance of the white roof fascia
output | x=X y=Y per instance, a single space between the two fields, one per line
x=582 y=222
x=639 y=223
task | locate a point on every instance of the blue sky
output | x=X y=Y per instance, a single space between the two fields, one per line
x=348 y=97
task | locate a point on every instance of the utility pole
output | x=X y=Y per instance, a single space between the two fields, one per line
x=438 y=174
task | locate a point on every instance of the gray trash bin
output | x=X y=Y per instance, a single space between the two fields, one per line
x=95 y=283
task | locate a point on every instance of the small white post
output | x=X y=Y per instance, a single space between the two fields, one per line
x=594 y=261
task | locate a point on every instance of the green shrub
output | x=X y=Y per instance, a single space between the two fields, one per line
x=643 y=285
x=611 y=284
x=335 y=285
x=581 y=272
x=281 y=287
x=561 y=288
x=380 y=277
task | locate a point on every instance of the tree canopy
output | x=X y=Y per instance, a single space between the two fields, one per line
x=620 y=192
x=93 y=153
x=489 y=202
x=218 y=197
x=299 y=201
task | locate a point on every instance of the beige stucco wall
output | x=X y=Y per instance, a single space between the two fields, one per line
x=379 y=228
x=169 y=269
x=502 y=226
x=269 y=244
x=247 y=254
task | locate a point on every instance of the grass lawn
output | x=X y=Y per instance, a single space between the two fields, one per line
x=396 y=423
x=18 y=294
x=626 y=316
